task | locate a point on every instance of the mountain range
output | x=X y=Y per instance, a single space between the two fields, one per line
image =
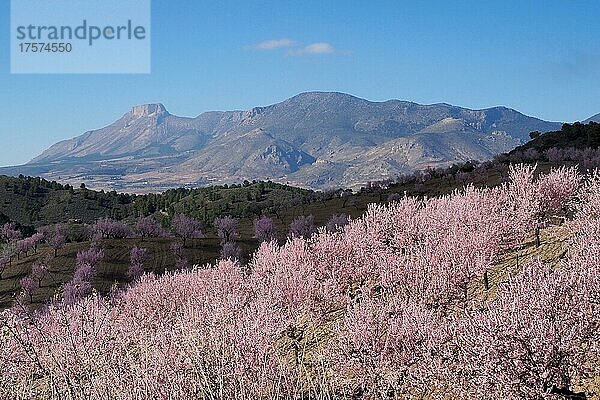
x=318 y=140
x=595 y=118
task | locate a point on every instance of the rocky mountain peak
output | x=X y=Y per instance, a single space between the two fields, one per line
x=147 y=110
x=249 y=114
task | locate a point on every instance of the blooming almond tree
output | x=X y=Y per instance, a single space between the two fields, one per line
x=24 y=246
x=264 y=229
x=92 y=256
x=56 y=236
x=106 y=228
x=86 y=270
x=75 y=290
x=227 y=228
x=386 y=348
x=28 y=286
x=337 y=222
x=535 y=339
x=39 y=271
x=231 y=251
x=557 y=190
x=136 y=268
x=9 y=232
x=148 y=227
x=36 y=239
x=302 y=227
x=186 y=227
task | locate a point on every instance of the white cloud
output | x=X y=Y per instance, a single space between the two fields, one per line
x=313 y=49
x=274 y=44
x=295 y=48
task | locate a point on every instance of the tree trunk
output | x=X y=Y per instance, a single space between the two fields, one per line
x=486 y=282
x=566 y=393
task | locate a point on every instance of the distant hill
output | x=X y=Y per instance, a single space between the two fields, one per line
x=316 y=140
x=35 y=202
x=595 y=118
x=577 y=135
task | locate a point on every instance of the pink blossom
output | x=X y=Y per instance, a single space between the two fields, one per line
x=28 y=285
x=138 y=257
x=109 y=228
x=186 y=227
x=337 y=222
x=55 y=236
x=557 y=190
x=231 y=251
x=75 y=290
x=38 y=272
x=148 y=227
x=264 y=229
x=302 y=226
x=227 y=228
x=9 y=232
x=392 y=306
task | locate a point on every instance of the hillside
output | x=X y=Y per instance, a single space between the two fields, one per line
x=35 y=202
x=577 y=136
x=420 y=298
x=318 y=140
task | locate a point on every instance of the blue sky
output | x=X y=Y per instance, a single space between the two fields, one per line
x=539 y=57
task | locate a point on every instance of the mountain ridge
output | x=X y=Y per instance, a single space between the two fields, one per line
x=318 y=140
x=594 y=118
